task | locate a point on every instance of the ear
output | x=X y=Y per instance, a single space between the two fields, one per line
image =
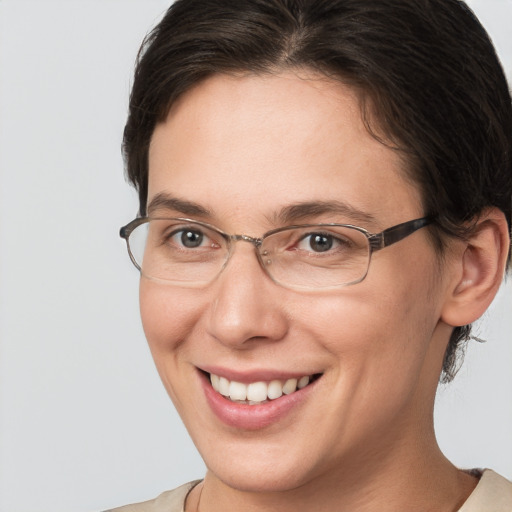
x=479 y=269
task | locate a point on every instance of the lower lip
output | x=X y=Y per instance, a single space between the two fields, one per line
x=252 y=417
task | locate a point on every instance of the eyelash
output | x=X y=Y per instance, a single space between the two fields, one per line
x=175 y=237
x=336 y=241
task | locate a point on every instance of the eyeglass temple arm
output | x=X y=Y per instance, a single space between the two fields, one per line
x=126 y=231
x=396 y=233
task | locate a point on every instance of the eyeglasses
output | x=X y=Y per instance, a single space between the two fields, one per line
x=190 y=253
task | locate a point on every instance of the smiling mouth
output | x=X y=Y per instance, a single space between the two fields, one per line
x=256 y=393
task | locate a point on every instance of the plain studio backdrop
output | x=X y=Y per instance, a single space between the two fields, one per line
x=84 y=422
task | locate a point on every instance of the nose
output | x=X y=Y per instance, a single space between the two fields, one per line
x=246 y=306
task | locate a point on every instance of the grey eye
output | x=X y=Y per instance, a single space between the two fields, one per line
x=320 y=243
x=191 y=239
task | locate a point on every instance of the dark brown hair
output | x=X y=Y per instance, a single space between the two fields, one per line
x=426 y=69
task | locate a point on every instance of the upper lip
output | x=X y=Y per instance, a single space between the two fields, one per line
x=254 y=375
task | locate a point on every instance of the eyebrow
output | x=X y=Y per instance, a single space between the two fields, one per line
x=164 y=201
x=305 y=210
x=289 y=214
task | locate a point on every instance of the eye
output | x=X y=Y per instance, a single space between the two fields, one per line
x=320 y=242
x=176 y=241
x=189 y=238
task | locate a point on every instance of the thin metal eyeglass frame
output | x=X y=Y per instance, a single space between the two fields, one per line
x=376 y=241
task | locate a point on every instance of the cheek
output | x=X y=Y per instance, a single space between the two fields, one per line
x=377 y=333
x=168 y=316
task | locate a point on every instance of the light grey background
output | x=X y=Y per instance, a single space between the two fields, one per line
x=84 y=421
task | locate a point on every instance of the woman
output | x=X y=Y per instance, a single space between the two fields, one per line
x=325 y=207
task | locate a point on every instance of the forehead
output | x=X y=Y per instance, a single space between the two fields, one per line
x=259 y=143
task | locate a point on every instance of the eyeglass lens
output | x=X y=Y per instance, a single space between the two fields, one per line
x=316 y=256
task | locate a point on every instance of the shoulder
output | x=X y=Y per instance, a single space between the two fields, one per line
x=492 y=494
x=169 y=501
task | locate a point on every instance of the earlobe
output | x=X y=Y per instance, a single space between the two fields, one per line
x=479 y=269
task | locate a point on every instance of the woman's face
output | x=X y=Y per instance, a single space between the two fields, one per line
x=245 y=149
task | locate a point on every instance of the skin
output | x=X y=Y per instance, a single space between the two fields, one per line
x=243 y=148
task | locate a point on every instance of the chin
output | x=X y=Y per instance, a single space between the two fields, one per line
x=260 y=467
x=252 y=478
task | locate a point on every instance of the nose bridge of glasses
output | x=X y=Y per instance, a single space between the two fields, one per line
x=256 y=243
x=246 y=238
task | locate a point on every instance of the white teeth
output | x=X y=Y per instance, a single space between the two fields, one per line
x=223 y=386
x=275 y=389
x=214 y=379
x=290 y=386
x=256 y=392
x=303 y=382
x=237 y=391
